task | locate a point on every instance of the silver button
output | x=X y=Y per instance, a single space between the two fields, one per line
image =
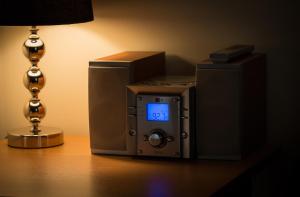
x=146 y=137
x=170 y=138
x=155 y=139
x=184 y=135
x=132 y=132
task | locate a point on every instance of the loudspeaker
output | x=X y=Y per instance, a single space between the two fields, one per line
x=230 y=107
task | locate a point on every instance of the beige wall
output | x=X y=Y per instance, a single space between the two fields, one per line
x=187 y=30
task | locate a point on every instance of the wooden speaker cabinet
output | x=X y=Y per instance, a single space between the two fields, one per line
x=231 y=108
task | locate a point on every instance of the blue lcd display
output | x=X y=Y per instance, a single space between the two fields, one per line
x=158 y=112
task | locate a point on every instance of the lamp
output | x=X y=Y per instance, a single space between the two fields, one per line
x=33 y=13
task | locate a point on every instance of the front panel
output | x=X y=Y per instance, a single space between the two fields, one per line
x=107 y=93
x=158 y=125
x=218 y=114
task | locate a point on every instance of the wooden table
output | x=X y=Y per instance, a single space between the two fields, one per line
x=71 y=170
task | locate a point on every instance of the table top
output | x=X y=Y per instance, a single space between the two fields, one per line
x=71 y=170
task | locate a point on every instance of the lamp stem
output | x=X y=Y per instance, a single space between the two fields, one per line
x=34 y=79
x=34 y=30
x=35 y=136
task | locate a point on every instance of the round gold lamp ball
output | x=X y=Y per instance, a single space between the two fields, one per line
x=34 y=47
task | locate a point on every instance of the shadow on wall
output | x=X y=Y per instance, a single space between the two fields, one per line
x=176 y=65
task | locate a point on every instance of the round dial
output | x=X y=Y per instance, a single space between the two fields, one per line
x=156 y=139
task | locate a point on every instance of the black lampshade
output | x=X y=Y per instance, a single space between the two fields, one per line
x=44 y=12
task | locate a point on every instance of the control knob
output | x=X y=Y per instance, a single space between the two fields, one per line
x=156 y=139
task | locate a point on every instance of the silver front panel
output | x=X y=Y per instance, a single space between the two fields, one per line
x=170 y=128
x=131 y=122
x=107 y=109
x=187 y=145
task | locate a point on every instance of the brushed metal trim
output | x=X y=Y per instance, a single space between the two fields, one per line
x=186 y=152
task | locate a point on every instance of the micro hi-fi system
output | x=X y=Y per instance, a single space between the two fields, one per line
x=135 y=109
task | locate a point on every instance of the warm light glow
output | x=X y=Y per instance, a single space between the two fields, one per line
x=69 y=48
x=187 y=32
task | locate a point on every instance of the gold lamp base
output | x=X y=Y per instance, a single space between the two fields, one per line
x=24 y=138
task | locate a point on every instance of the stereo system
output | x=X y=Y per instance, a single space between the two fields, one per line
x=136 y=110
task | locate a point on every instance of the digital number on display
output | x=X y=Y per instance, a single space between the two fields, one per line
x=158 y=112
